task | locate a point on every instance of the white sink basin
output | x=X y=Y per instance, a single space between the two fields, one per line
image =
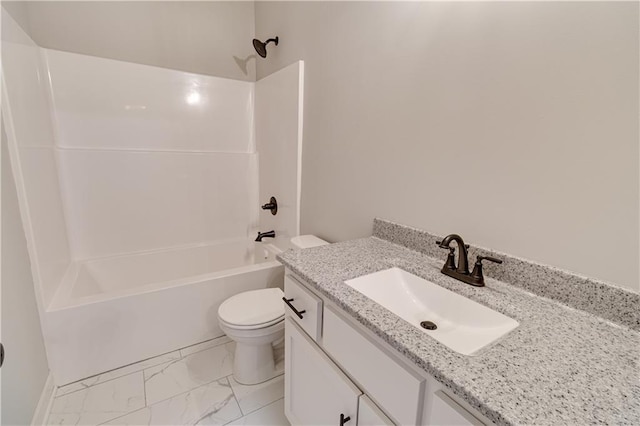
x=463 y=325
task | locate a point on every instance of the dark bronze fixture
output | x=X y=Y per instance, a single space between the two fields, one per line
x=293 y=308
x=428 y=325
x=271 y=205
x=344 y=419
x=477 y=275
x=268 y=234
x=261 y=47
x=463 y=262
x=461 y=272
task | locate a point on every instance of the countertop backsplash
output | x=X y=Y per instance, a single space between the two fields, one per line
x=607 y=301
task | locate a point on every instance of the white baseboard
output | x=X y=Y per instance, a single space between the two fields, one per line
x=44 y=404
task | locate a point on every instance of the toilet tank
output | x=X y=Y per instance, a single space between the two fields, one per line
x=307 y=241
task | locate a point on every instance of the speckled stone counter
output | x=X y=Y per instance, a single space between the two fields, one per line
x=560 y=366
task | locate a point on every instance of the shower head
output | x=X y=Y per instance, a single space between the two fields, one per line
x=261 y=47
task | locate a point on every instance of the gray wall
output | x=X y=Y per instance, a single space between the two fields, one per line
x=211 y=38
x=19 y=12
x=25 y=369
x=513 y=124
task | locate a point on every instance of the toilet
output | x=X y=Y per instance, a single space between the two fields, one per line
x=255 y=321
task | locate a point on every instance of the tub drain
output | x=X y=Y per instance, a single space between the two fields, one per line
x=428 y=325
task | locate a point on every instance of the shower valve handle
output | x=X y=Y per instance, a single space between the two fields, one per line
x=271 y=205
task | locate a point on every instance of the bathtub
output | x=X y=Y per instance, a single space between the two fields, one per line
x=114 y=311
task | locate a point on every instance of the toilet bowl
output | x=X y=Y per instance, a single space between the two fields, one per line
x=255 y=321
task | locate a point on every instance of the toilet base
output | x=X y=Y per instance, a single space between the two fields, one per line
x=253 y=361
x=253 y=364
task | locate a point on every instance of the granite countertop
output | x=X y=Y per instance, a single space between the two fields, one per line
x=560 y=366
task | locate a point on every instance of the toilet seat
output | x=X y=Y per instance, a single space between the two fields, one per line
x=252 y=327
x=253 y=309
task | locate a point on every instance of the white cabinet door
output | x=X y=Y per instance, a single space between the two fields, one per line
x=316 y=392
x=370 y=415
x=399 y=391
x=447 y=412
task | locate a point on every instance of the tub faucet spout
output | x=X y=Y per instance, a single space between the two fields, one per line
x=268 y=234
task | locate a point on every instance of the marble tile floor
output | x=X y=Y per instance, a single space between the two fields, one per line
x=191 y=386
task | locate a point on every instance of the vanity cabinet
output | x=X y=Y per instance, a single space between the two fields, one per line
x=337 y=372
x=446 y=411
x=303 y=307
x=370 y=415
x=373 y=369
x=316 y=391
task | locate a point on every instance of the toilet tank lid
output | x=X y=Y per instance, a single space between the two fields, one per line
x=307 y=241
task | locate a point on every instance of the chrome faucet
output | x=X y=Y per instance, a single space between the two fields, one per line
x=268 y=234
x=461 y=272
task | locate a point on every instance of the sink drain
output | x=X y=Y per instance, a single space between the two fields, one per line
x=428 y=325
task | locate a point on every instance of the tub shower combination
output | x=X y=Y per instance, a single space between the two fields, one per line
x=140 y=195
x=154 y=302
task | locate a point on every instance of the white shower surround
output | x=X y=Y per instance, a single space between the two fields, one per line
x=151 y=157
x=158 y=175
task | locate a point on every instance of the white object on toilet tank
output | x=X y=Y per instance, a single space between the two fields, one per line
x=307 y=241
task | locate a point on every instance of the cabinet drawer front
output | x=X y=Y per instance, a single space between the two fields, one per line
x=370 y=415
x=316 y=391
x=300 y=299
x=399 y=391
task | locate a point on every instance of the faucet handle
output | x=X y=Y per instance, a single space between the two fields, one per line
x=451 y=262
x=489 y=258
x=271 y=205
x=477 y=276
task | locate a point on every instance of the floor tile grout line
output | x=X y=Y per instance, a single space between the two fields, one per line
x=177 y=359
x=237 y=403
x=243 y=414
x=199 y=386
x=125 y=366
x=109 y=420
x=100 y=383
x=192 y=389
x=144 y=390
x=136 y=371
x=143 y=380
x=163 y=367
x=113 y=378
x=238 y=418
x=178 y=394
x=206 y=384
x=119 y=417
x=247 y=415
x=259 y=408
x=235 y=396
